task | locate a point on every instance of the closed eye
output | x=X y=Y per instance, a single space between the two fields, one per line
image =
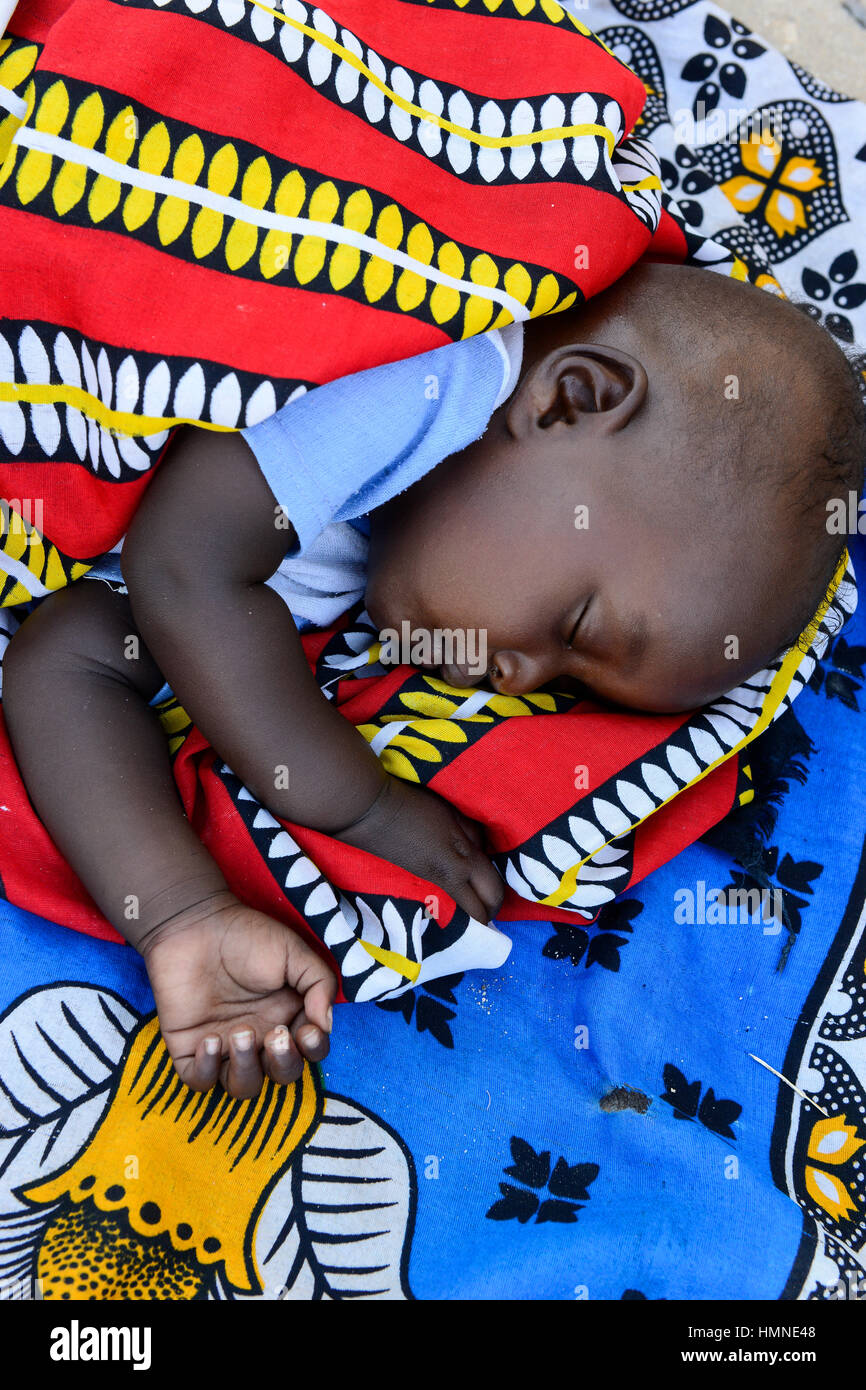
x=577 y=626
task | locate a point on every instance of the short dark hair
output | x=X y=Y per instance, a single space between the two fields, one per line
x=839 y=469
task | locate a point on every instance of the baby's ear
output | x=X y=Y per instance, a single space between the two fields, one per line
x=582 y=384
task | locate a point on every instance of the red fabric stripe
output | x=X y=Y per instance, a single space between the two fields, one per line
x=178 y=307
x=684 y=820
x=33 y=18
x=156 y=302
x=83 y=515
x=367 y=697
x=481 y=782
x=193 y=311
x=491 y=54
x=669 y=243
x=449 y=46
x=504 y=220
x=660 y=839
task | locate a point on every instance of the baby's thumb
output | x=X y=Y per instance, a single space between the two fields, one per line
x=318 y=1002
x=307 y=973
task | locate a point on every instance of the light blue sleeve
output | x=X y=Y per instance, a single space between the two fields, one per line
x=347 y=447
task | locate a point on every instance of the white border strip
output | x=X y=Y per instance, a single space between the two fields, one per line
x=806 y=1056
x=26 y=577
x=7 y=10
x=12 y=102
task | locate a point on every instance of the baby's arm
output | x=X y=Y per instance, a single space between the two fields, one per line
x=205 y=537
x=95 y=763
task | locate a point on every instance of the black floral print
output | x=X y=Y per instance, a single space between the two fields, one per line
x=715 y=75
x=850 y=294
x=429 y=1006
x=694 y=181
x=841 y=673
x=685 y=1097
x=602 y=948
x=567 y=1186
x=791 y=879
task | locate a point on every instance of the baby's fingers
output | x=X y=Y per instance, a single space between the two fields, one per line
x=309 y=976
x=310 y=1039
x=282 y=1060
x=466 y=897
x=242 y=1075
x=480 y=890
x=488 y=885
x=201 y=1071
x=471 y=829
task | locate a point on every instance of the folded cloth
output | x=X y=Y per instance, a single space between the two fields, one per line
x=341 y=451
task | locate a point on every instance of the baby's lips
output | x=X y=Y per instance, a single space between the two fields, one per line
x=460 y=675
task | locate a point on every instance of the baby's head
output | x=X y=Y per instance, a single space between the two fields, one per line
x=647 y=512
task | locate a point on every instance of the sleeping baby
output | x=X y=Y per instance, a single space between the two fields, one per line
x=695 y=425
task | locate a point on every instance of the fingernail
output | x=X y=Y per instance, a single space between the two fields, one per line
x=212 y=1046
x=281 y=1041
x=311 y=1037
x=330 y=1018
x=244 y=1041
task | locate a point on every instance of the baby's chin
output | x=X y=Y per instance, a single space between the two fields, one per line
x=377 y=610
x=387 y=598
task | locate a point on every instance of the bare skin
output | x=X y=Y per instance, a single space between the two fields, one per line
x=639 y=603
x=637 y=606
x=226 y=969
x=220 y=970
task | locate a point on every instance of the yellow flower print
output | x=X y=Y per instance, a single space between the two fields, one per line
x=120 y=1183
x=831 y=1194
x=165 y=1223
x=774 y=183
x=832 y=1141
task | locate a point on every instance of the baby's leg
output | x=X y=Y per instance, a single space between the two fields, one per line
x=76 y=680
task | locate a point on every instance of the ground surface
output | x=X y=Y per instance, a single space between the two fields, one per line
x=826 y=36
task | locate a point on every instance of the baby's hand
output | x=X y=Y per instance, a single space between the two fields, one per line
x=237 y=992
x=424 y=834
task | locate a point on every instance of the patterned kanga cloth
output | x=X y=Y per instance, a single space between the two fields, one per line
x=651 y=1085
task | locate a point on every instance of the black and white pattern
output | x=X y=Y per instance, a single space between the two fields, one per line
x=148 y=384
x=353 y=75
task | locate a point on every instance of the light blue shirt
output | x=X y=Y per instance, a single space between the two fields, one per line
x=345 y=448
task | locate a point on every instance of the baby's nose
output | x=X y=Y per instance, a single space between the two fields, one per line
x=519 y=673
